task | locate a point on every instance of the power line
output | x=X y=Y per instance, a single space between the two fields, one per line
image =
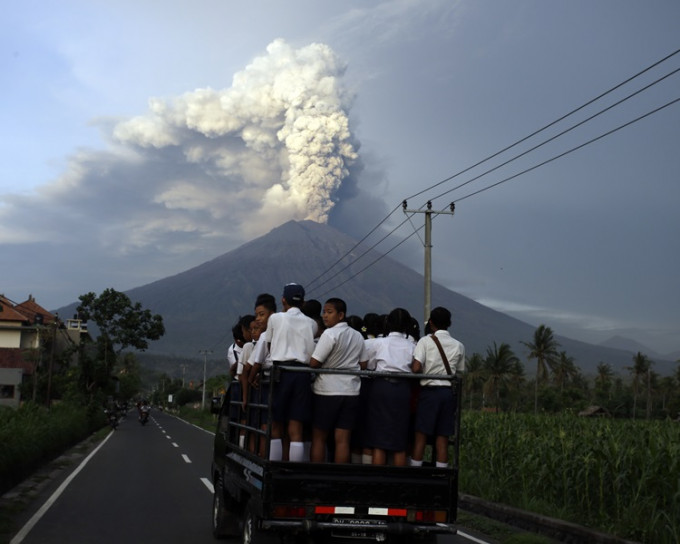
x=573 y=111
x=593 y=140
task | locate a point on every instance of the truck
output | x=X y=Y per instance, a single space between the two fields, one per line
x=267 y=501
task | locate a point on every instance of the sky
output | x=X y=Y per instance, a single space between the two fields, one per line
x=141 y=139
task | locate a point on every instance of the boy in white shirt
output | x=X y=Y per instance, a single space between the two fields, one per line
x=336 y=396
x=290 y=335
x=436 y=403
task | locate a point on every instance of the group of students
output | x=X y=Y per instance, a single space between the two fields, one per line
x=344 y=417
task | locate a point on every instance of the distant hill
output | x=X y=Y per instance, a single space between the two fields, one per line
x=627 y=344
x=200 y=305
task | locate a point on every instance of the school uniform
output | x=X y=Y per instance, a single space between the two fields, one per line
x=336 y=396
x=388 y=417
x=233 y=358
x=260 y=354
x=437 y=403
x=290 y=335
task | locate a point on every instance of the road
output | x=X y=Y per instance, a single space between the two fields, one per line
x=142 y=484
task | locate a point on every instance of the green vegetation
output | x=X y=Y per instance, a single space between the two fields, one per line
x=619 y=476
x=33 y=435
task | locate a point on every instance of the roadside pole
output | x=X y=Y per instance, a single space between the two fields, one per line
x=205 y=353
x=428 y=248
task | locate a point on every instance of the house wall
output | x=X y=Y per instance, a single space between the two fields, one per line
x=10 y=379
x=10 y=336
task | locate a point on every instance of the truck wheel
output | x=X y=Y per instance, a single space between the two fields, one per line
x=252 y=534
x=224 y=519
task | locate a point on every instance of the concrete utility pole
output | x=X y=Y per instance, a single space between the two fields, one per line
x=428 y=248
x=205 y=353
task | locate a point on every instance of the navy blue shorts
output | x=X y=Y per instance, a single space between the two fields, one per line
x=292 y=397
x=335 y=412
x=235 y=409
x=436 y=411
x=360 y=433
x=258 y=416
x=388 y=416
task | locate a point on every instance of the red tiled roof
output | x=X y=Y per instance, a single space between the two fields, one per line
x=15 y=358
x=8 y=313
x=30 y=308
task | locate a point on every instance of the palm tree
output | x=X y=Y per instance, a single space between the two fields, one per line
x=564 y=370
x=544 y=350
x=499 y=366
x=603 y=380
x=474 y=375
x=639 y=370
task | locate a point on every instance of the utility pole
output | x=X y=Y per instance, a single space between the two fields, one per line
x=428 y=248
x=205 y=353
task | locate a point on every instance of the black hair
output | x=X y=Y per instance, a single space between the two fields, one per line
x=266 y=300
x=373 y=324
x=339 y=305
x=356 y=323
x=440 y=317
x=399 y=320
x=237 y=333
x=414 y=329
x=246 y=320
x=311 y=308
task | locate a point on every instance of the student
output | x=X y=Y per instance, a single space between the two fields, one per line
x=256 y=374
x=436 y=404
x=238 y=387
x=290 y=335
x=336 y=396
x=387 y=429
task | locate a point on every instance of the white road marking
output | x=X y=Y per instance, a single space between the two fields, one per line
x=470 y=537
x=186 y=458
x=208 y=484
x=175 y=444
x=19 y=537
x=167 y=436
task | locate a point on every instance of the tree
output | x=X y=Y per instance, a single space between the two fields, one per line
x=603 y=380
x=500 y=365
x=544 y=350
x=474 y=375
x=639 y=371
x=122 y=324
x=564 y=370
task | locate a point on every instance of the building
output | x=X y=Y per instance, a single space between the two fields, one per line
x=24 y=328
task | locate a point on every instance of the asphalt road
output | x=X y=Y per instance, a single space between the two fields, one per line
x=143 y=484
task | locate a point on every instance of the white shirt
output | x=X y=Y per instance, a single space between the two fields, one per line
x=260 y=354
x=339 y=347
x=428 y=355
x=291 y=335
x=234 y=354
x=243 y=358
x=393 y=353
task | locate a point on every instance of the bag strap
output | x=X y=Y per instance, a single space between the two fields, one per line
x=443 y=355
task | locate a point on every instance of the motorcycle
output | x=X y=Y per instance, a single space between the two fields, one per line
x=144 y=414
x=112 y=418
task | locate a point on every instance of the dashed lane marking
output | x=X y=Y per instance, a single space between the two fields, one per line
x=208 y=484
x=186 y=458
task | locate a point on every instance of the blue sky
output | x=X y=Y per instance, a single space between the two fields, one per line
x=140 y=139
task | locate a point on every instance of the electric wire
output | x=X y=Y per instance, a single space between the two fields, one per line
x=488 y=158
x=556 y=136
x=543 y=163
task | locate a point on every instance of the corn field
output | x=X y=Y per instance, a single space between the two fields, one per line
x=619 y=476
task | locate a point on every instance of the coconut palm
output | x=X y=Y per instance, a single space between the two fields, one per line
x=499 y=365
x=544 y=350
x=564 y=370
x=639 y=371
x=474 y=375
x=603 y=380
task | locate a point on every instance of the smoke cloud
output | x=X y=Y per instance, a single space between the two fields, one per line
x=275 y=146
x=206 y=169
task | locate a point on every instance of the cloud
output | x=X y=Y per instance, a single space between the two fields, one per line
x=209 y=168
